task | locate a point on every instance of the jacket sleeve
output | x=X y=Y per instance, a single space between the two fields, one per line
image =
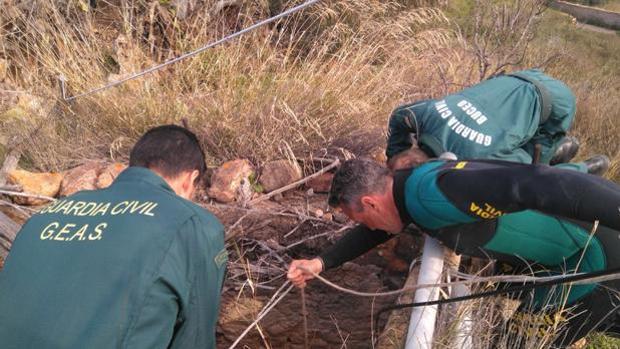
x=197 y=320
x=508 y=187
x=402 y=127
x=353 y=244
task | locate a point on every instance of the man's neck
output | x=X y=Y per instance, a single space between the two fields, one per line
x=397 y=187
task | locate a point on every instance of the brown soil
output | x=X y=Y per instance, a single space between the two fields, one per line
x=335 y=319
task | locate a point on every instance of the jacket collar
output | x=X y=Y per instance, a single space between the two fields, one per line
x=142 y=174
x=398 y=192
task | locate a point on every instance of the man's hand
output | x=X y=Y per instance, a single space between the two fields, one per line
x=299 y=276
x=407 y=159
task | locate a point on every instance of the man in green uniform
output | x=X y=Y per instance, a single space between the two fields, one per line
x=507 y=117
x=135 y=265
x=486 y=208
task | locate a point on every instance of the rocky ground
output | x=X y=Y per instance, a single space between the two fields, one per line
x=334 y=318
x=264 y=233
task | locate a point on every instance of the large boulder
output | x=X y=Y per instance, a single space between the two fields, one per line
x=227 y=180
x=109 y=174
x=45 y=184
x=276 y=174
x=83 y=177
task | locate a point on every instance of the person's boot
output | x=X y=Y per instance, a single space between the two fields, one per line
x=568 y=148
x=597 y=165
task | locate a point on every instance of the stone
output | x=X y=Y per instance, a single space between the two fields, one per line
x=388 y=251
x=226 y=180
x=278 y=198
x=46 y=184
x=318 y=213
x=340 y=217
x=109 y=174
x=278 y=173
x=83 y=177
x=322 y=183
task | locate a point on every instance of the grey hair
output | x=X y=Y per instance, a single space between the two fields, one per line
x=356 y=178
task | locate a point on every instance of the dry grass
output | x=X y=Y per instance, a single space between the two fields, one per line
x=312 y=83
x=327 y=78
x=589 y=62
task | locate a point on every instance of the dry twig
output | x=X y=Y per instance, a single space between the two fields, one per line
x=296 y=184
x=34 y=196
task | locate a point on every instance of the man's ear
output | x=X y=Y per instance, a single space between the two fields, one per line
x=368 y=201
x=190 y=179
x=194 y=175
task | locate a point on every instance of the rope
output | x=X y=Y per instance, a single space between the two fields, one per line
x=195 y=52
x=576 y=279
x=611 y=275
x=582 y=278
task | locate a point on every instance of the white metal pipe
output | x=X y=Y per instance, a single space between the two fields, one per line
x=422 y=321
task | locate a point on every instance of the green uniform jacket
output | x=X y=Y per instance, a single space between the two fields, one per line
x=130 y=266
x=486 y=209
x=500 y=118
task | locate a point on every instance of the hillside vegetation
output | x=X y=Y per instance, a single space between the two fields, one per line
x=321 y=82
x=317 y=82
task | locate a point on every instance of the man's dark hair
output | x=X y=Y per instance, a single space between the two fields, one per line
x=357 y=178
x=169 y=149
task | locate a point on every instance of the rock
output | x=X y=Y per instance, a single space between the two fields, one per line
x=388 y=251
x=109 y=173
x=322 y=183
x=276 y=174
x=328 y=217
x=278 y=198
x=340 y=217
x=227 y=179
x=47 y=184
x=318 y=213
x=83 y=177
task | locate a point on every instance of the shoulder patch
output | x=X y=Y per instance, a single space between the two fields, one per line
x=460 y=165
x=221 y=258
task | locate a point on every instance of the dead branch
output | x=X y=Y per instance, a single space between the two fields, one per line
x=273 y=213
x=229 y=232
x=295 y=184
x=21 y=209
x=11 y=187
x=316 y=237
x=294 y=229
x=27 y=195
